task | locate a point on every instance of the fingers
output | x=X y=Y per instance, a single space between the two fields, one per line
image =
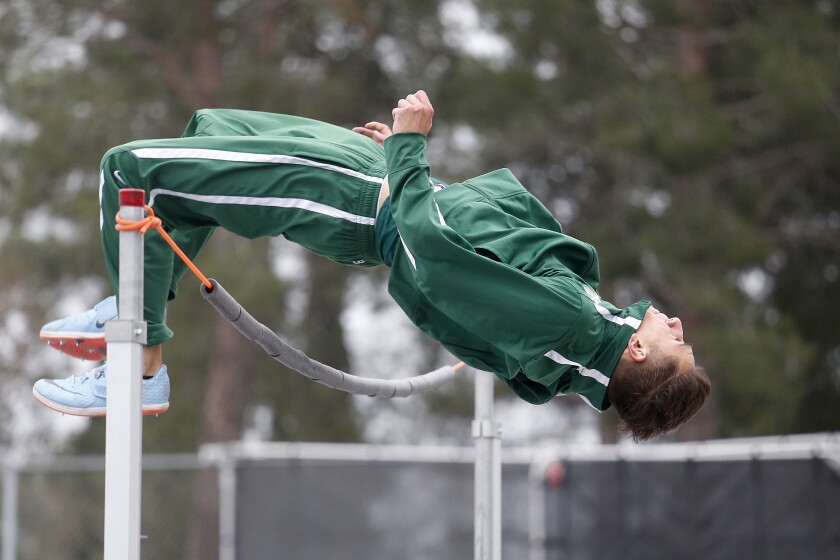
x=363 y=131
x=418 y=96
x=371 y=127
x=417 y=99
x=377 y=126
x=413 y=113
x=376 y=131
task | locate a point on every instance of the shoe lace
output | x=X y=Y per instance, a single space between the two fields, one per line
x=96 y=372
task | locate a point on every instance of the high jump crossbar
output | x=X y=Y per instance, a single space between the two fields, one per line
x=123 y=436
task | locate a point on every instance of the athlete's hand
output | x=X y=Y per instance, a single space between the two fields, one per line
x=413 y=114
x=375 y=131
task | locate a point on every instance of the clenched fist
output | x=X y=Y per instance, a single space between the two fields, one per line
x=413 y=114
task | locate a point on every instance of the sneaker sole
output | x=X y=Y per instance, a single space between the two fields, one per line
x=148 y=409
x=79 y=345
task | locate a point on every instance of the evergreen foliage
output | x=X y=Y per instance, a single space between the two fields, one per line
x=690 y=142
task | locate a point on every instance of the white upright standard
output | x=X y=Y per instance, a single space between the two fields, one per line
x=124 y=425
x=488 y=471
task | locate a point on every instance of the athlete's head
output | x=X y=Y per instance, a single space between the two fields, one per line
x=656 y=385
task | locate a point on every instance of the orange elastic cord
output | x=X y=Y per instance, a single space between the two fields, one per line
x=151 y=221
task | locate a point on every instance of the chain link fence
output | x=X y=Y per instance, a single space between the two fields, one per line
x=769 y=499
x=54 y=509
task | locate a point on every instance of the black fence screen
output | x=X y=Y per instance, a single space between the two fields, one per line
x=762 y=509
x=319 y=510
x=710 y=510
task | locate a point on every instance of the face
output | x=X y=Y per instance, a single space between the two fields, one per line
x=663 y=333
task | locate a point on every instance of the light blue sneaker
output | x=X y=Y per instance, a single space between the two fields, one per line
x=84 y=395
x=82 y=335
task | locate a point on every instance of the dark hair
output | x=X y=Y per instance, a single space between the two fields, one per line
x=653 y=397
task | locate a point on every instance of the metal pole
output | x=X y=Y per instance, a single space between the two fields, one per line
x=227 y=504
x=124 y=425
x=536 y=505
x=488 y=472
x=10 y=511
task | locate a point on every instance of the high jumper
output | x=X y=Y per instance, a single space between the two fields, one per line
x=480 y=266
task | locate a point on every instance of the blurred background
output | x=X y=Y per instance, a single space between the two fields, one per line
x=693 y=142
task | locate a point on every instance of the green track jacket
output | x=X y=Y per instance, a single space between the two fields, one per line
x=487 y=270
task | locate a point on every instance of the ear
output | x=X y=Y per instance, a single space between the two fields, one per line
x=636 y=348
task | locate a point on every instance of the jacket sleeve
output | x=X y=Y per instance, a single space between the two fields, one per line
x=512 y=310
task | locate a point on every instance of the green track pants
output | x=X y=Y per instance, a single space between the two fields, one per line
x=254 y=174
